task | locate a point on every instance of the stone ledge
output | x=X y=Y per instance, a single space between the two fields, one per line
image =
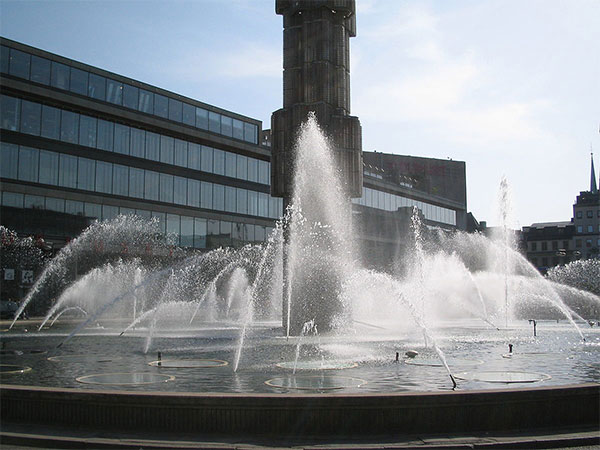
x=490 y=411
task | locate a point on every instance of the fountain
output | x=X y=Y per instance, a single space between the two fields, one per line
x=234 y=359
x=216 y=319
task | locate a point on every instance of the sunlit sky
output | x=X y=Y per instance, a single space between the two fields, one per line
x=511 y=87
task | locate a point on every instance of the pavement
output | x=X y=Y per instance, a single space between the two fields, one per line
x=21 y=436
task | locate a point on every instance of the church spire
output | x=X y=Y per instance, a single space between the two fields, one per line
x=593 y=185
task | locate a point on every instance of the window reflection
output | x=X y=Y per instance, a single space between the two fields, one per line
x=19 y=63
x=59 y=77
x=40 y=70
x=79 y=81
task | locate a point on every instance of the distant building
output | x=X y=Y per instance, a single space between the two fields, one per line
x=554 y=243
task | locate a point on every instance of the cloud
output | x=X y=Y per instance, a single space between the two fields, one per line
x=242 y=61
x=249 y=61
x=459 y=95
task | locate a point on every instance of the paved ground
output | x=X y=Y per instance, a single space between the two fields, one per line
x=18 y=436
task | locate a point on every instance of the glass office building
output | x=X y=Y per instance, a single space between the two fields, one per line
x=80 y=144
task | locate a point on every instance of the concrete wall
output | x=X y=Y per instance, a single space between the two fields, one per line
x=509 y=410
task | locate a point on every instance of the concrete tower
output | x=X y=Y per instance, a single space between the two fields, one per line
x=316 y=77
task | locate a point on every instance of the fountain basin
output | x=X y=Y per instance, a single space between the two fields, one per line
x=314 y=415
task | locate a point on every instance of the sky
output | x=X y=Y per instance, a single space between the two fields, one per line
x=510 y=87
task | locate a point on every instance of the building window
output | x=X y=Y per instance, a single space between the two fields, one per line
x=28 y=164
x=175 y=110
x=202 y=118
x=9 y=164
x=238 y=129
x=130 y=96
x=590 y=214
x=187 y=231
x=166 y=188
x=50 y=122
x=194 y=156
x=180 y=190
x=218 y=197
x=214 y=122
x=173 y=222
x=86 y=174
x=161 y=106
x=193 y=193
x=579 y=214
x=19 y=63
x=577 y=243
x=106 y=133
x=87 y=131
x=590 y=229
x=114 y=92
x=152 y=146
x=566 y=245
x=40 y=70
x=67 y=175
x=146 y=102
x=242 y=201
x=120 y=180
x=207 y=159
x=151 y=180
x=230 y=164
x=579 y=228
x=79 y=81
x=588 y=243
x=554 y=245
x=10 y=108
x=544 y=246
x=252 y=170
x=230 y=199
x=97 y=87
x=138 y=142
x=69 y=127
x=189 y=115
x=31 y=116
x=219 y=162
x=206 y=195
x=181 y=153
x=227 y=126
x=48 y=168
x=166 y=149
x=121 y=139
x=136 y=182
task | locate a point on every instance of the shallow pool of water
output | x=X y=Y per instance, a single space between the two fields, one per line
x=202 y=359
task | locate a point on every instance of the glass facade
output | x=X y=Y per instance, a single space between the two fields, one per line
x=186 y=231
x=36 y=165
x=118 y=160
x=67 y=126
x=51 y=73
x=391 y=202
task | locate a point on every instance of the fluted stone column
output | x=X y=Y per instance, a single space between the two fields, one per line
x=316 y=77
